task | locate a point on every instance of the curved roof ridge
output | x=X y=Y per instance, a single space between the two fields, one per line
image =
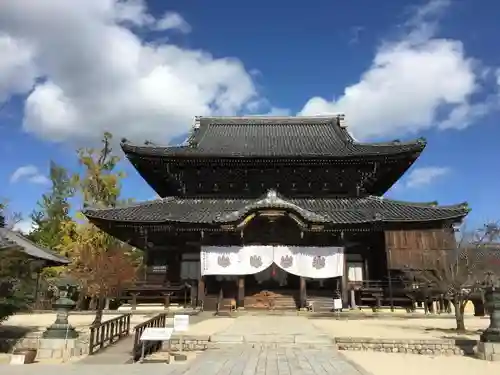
x=272 y=200
x=416 y=141
x=432 y=204
x=128 y=205
x=270 y=118
x=128 y=147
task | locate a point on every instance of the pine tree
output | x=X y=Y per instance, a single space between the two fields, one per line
x=53 y=209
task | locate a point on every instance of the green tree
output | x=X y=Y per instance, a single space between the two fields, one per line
x=15 y=275
x=53 y=209
x=10 y=219
x=99 y=185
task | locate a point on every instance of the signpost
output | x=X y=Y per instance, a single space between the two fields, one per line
x=155 y=334
x=181 y=324
x=337 y=306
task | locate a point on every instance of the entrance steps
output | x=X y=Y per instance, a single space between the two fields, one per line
x=321 y=303
x=274 y=340
x=276 y=302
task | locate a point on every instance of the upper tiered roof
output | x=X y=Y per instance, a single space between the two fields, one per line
x=275 y=137
x=223 y=154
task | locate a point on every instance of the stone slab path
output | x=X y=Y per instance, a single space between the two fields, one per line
x=229 y=360
x=273 y=329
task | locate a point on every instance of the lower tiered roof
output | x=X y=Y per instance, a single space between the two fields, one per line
x=363 y=210
x=11 y=240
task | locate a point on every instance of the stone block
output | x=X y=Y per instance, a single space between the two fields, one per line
x=223 y=338
x=269 y=339
x=44 y=354
x=178 y=357
x=489 y=351
x=313 y=339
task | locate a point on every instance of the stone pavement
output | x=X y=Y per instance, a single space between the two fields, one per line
x=283 y=330
x=239 y=359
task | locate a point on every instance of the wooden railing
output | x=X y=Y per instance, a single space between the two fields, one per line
x=159 y=321
x=108 y=332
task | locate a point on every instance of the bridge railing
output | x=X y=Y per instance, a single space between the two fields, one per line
x=108 y=332
x=158 y=321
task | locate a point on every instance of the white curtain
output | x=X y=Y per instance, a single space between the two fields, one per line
x=235 y=260
x=312 y=262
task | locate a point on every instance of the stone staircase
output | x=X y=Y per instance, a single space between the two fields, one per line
x=271 y=301
x=321 y=303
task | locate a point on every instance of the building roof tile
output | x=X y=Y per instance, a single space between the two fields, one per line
x=324 y=210
x=259 y=136
x=11 y=239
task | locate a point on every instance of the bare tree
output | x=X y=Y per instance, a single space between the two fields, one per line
x=461 y=272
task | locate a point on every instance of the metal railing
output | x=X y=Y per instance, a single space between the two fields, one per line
x=158 y=321
x=108 y=332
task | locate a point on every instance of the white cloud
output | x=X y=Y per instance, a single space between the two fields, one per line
x=24 y=226
x=424 y=176
x=173 y=21
x=94 y=73
x=17 y=71
x=410 y=82
x=29 y=173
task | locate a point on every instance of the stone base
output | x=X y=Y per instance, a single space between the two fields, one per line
x=60 y=348
x=178 y=357
x=57 y=332
x=488 y=351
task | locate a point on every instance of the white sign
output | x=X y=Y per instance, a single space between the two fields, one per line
x=337 y=304
x=17 y=359
x=156 y=334
x=181 y=323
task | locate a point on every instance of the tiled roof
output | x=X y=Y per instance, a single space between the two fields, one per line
x=274 y=137
x=324 y=210
x=9 y=238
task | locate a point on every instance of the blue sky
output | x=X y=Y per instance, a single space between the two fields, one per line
x=142 y=70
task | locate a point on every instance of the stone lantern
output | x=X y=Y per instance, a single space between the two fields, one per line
x=61 y=329
x=492 y=297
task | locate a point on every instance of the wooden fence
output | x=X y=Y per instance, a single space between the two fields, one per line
x=158 y=321
x=108 y=332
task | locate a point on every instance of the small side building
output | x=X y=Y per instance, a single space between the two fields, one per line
x=13 y=241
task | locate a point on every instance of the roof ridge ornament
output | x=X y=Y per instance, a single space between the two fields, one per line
x=197 y=122
x=341 y=120
x=272 y=194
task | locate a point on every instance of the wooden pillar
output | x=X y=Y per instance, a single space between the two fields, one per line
x=166 y=300
x=303 y=293
x=240 y=303
x=389 y=276
x=201 y=290
x=345 y=292
x=391 y=296
x=134 y=301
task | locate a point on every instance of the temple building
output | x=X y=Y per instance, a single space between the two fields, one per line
x=292 y=206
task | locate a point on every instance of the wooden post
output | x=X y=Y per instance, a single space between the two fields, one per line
x=303 y=293
x=166 y=300
x=134 y=301
x=389 y=264
x=391 y=298
x=201 y=290
x=241 y=292
x=345 y=292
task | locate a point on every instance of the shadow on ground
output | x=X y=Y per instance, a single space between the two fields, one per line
x=9 y=335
